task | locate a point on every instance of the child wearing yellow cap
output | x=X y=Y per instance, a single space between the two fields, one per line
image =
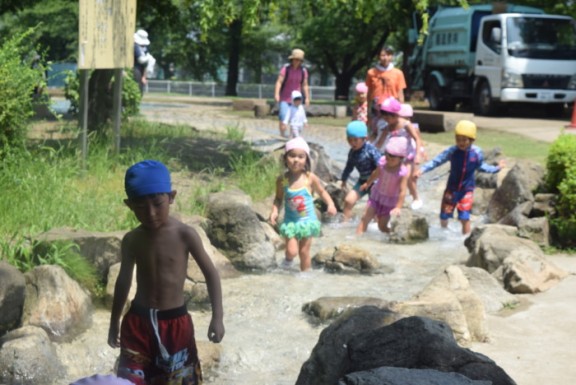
x=465 y=158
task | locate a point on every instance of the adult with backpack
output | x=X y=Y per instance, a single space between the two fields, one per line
x=292 y=77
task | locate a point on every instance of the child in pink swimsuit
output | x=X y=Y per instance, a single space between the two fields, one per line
x=387 y=196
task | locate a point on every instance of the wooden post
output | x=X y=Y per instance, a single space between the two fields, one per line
x=117 y=112
x=84 y=81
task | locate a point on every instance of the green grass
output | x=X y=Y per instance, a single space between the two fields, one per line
x=511 y=145
x=45 y=187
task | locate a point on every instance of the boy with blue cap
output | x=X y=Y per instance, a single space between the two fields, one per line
x=364 y=157
x=156 y=337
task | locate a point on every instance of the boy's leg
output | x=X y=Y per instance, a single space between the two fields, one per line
x=447 y=207
x=349 y=202
x=304 y=252
x=464 y=207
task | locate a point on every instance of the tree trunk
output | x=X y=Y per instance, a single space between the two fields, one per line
x=235 y=47
x=100 y=100
x=343 y=82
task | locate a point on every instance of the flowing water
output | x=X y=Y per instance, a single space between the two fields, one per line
x=268 y=337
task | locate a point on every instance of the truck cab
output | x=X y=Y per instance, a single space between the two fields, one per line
x=491 y=59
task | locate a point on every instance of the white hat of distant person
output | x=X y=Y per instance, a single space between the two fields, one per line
x=296 y=95
x=141 y=37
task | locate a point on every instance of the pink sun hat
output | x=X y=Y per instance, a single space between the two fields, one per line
x=397 y=146
x=361 y=88
x=297 y=143
x=391 y=105
x=406 y=110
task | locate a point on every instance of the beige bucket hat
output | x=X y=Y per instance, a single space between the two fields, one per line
x=296 y=54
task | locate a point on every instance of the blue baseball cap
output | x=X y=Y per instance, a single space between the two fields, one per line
x=146 y=178
x=356 y=129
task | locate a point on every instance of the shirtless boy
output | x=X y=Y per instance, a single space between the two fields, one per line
x=156 y=337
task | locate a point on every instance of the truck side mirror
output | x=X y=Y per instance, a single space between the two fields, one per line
x=496 y=35
x=412 y=36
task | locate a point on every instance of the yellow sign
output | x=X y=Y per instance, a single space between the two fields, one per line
x=106 y=34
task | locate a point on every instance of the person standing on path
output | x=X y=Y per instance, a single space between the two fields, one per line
x=384 y=80
x=142 y=58
x=292 y=77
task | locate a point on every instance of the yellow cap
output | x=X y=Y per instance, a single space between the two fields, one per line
x=466 y=128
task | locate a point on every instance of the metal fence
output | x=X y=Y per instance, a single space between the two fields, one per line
x=212 y=89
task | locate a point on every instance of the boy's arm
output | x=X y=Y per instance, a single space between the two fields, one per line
x=437 y=161
x=121 y=291
x=320 y=190
x=196 y=248
x=277 y=201
x=347 y=170
x=371 y=179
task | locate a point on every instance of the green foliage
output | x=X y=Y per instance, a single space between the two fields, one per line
x=561 y=179
x=254 y=174
x=560 y=157
x=55 y=24
x=131 y=96
x=235 y=133
x=18 y=78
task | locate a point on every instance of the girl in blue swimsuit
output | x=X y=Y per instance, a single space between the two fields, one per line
x=296 y=188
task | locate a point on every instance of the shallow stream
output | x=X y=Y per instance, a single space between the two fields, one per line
x=268 y=337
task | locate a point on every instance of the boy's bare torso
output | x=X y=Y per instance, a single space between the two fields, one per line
x=161 y=259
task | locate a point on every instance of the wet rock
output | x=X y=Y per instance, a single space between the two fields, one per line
x=347 y=259
x=449 y=298
x=517 y=187
x=12 y=291
x=401 y=376
x=56 y=303
x=329 y=359
x=327 y=308
x=489 y=290
x=100 y=249
x=410 y=343
x=482 y=197
x=409 y=227
x=28 y=357
x=518 y=263
x=234 y=228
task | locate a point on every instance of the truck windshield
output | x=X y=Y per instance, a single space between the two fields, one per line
x=541 y=38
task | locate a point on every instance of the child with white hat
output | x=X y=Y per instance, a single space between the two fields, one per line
x=295 y=118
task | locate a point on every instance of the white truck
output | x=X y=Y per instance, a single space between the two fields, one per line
x=490 y=59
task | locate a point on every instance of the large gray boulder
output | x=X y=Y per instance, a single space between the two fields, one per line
x=234 y=228
x=329 y=359
x=401 y=376
x=450 y=298
x=56 y=303
x=348 y=259
x=517 y=187
x=12 y=291
x=412 y=343
x=28 y=357
x=409 y=227
x=518 y=263
x=101 y=249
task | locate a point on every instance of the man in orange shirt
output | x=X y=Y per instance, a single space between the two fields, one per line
x=383 y=80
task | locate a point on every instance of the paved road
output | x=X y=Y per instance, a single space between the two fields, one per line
x=530 y=123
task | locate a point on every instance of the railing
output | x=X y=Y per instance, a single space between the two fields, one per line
x=212 y=89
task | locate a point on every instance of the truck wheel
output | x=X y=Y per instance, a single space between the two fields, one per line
x=437 y=99
x=483 y=103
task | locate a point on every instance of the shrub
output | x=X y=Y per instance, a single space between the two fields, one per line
x=20 y=73
x=561 y=179
x=131 y=96
x=561 y=156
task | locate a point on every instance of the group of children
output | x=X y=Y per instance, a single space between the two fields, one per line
x=156 y=335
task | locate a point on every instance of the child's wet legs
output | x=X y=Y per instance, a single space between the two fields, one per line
x=349 y=202
x=291 y=249
x=304 y=252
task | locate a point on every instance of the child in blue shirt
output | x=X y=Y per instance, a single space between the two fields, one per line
x=465 y=158
x=364 y=157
